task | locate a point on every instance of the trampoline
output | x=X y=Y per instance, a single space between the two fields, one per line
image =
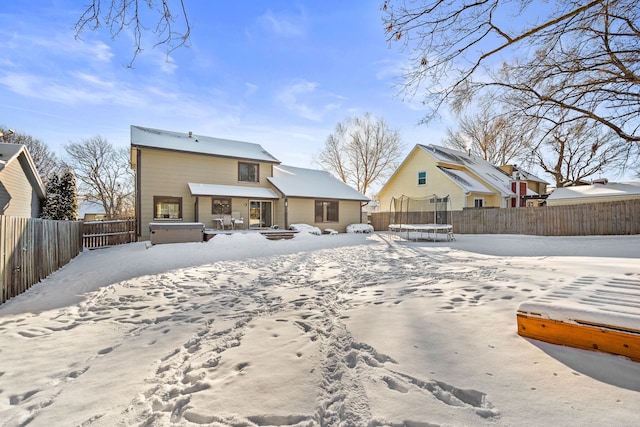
x=421 y=218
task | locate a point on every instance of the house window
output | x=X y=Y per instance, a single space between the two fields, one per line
x=478 y=203
x=221 y=206
x=326 y=211
x=422 y=178
x=248 y=172
x=167 y=207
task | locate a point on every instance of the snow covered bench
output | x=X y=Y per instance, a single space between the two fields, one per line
x=591 y=313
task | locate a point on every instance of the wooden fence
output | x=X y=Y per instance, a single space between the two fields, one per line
x=33 y=248
x=101 y=234
x=609 y=218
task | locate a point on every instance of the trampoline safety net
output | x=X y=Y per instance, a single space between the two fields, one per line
x=432 y=209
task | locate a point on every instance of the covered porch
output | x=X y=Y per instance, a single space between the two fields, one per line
x=228 y=208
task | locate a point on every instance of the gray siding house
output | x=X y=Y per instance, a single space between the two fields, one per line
x=21 y=189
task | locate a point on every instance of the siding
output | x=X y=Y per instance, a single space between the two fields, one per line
x=302 y=211
x=405 y=182
x=167 y=173
x=18 y=197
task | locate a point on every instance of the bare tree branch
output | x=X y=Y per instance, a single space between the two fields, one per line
x=581 y=57
x=361 y=151
x=103 y=174
x=121 y=15
x=44 y=159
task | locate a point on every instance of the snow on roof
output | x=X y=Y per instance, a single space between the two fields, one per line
x=479 y=167
x=466 y=181
x=180 y=141
x=90 y=207
x=300 y=182
x=529 y=176
x=8 y=152
x=611 y=189
x=231 y=191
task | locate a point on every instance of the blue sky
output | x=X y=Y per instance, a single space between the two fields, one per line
x=278 y=73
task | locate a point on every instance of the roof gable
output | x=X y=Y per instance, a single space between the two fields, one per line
x=311 y=183
x=476 y=166
x=19 y=152
x=188 y=142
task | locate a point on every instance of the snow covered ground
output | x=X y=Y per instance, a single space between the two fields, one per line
x=348 y=329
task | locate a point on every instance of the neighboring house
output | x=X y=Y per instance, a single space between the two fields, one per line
x=22 y=192
x=91 y=211
x=594 y=193
x=181 y=177
x=469 y=181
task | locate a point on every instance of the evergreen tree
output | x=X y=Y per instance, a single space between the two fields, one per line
x=61 y=202
x=68 y=196
x=52 y=200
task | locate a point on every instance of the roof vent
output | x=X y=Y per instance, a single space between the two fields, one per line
x=190 y=134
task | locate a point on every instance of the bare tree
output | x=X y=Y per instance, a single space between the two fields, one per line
x=45 y=160
x=103 y=174
x=494 y=138
x=574 y=152
x=120 y=15
x=361 y=151
x=581 y=57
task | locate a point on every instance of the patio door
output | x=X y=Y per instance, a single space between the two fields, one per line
x=260 y=214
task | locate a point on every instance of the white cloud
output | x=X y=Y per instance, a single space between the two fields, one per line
x=94 y=80
x=389 y=69
x=250 y=89
x=284 y=25
x=300 y=95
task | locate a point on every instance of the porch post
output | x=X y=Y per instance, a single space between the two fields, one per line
x=286 y=214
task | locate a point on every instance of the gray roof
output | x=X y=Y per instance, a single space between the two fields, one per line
x=300 y=182
x=183 y=141
x=8 y=152
x=466 y=181
x=90 y=207
x=479 y=167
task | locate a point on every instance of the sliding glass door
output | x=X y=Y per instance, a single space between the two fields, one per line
x=260 y=214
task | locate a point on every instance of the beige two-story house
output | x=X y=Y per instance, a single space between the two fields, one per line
x=183 y=177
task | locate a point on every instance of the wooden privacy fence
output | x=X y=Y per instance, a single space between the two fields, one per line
x=608 y=218
x=33 y=248
x=101 y=234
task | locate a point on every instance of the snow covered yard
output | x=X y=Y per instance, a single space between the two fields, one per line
x=349 y=329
